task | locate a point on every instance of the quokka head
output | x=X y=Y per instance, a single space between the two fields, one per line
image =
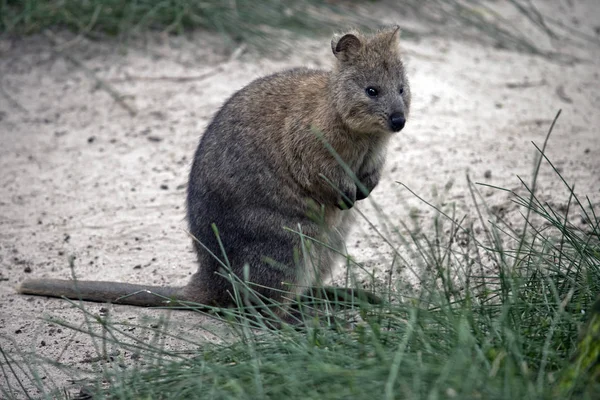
x=370 y=89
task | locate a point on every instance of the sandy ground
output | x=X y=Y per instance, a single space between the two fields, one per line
x=81 y=176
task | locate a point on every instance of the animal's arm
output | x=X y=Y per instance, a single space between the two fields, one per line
x=339 y=187
x=370 y=172
x=316 y=170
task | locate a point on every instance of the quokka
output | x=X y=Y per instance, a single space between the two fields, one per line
x=263 y=166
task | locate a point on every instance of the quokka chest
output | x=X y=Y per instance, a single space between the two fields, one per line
x=362 y=154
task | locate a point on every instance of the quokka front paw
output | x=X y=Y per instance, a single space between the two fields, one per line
x=369 y=181
x=347 y=200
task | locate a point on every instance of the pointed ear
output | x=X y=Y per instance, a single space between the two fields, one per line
x=394 y=33
x=346 y=47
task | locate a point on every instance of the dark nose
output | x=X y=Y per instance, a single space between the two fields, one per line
x=397 y=121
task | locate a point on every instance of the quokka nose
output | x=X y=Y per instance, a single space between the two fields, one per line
x=397 y=121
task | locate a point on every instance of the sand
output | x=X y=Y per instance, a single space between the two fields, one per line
x=80 y=175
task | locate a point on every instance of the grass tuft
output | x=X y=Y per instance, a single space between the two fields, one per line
x=505 y=314
x=240 y=20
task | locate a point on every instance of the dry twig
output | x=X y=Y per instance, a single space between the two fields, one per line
x=234 y=56
x=118 y=97
x=10 y=99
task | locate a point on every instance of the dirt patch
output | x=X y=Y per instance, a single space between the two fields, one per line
x=81 y=176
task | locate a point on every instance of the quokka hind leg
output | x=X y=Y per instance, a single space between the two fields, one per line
x=266 y=288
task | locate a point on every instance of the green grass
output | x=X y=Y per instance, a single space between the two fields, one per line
x=497 y=316
x=240 y=20
x=501 y=315
x=271 y=24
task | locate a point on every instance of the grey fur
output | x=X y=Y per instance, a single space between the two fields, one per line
x=258 y=172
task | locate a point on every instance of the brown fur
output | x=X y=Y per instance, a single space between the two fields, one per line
x=260 y=168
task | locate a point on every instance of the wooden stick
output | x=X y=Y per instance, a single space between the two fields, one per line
x=118 y=97
x=10 y=99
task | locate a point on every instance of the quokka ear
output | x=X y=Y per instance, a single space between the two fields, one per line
x=346 y=46
x=394 y=35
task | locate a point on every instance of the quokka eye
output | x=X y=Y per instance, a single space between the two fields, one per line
x=401 y=89
x=371 y=91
